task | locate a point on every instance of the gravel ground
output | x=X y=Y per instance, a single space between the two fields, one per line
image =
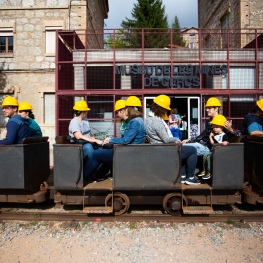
x=26 y=242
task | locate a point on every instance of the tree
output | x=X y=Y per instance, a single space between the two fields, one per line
x=147 y=14
x=117 y=40
x=177 y=35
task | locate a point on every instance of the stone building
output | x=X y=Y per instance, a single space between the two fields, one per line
x=190 y=36
x=234 y=14
x=27 y=49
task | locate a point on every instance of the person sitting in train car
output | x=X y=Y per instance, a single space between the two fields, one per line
x=158 y=132
x=253 y=122
x=174 y=122
x=134 y=132
x=80 y=132
x=105 y=169
x=25 y=111
x=17 y=127
x=120 y=109
x=216 y=136
x=202 y=142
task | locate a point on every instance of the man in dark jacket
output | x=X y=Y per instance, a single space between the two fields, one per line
x=202 y=142
x=253 y=122
x=17 y=127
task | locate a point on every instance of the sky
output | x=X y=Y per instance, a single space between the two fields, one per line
x=185 y=10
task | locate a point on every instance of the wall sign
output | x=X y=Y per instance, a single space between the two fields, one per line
x=171 y=76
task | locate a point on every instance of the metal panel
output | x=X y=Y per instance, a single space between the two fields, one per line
x=228 y=166
x=146 y=167
x=24 y=166
x=68 y=163
x=254 y=165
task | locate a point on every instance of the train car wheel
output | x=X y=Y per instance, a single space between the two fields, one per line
x=172 y=203
x=121 y=203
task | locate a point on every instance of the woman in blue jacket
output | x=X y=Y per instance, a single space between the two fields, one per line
x=134 y=132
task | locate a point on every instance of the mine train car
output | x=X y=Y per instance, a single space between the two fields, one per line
x=143 y=174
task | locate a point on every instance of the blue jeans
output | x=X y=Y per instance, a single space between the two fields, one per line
x=182 y=135
x=175 y=132
x=189 y=160
x=93 y=161
x=201 y=149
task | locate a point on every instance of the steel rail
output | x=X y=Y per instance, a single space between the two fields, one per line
x=52 y=216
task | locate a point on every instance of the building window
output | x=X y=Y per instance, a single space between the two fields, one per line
x=6 y=40
x=191 y=45
x=51 y=39
x=192 y=36
x=49 y=108
x=240 y=78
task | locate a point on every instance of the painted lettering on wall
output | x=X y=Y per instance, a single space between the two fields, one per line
x=171 y=76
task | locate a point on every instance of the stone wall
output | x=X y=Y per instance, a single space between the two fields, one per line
x=29 y=69
x=241 y=14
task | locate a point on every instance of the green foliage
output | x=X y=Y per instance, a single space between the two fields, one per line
x=147 y=14
x=117 y=39
x=150 y=15
x=177 y=36
x=230 y=222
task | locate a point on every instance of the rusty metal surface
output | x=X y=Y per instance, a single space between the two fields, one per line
x=47 y=216
x=103 y=185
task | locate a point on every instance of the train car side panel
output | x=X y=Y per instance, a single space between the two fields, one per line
x=68 y=166
x=228 y=166
x=146 y=167
x=24 y=166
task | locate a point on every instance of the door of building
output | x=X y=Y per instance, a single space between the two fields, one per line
x=187 y=106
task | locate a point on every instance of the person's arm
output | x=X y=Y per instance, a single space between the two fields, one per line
x=225 y=141
x=255 y=129
x=11 y=135
x=257 y=133
x=131 y=131
x=230 y=130
x=211 y=135
x=78 y=135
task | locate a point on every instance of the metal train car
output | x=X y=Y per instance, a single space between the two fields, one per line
x=143 y=174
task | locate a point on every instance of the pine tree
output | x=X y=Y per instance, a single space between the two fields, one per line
x=177 y=36
x=148 y=14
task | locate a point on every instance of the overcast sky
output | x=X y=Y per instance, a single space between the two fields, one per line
x=185 y=10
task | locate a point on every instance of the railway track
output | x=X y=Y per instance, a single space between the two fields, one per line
x=220 y=216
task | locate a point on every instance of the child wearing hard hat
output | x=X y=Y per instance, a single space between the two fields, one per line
x=216 y=136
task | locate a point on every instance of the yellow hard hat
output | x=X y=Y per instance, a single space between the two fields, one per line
x=81 y=105
x=25 y=106
x=9 y=101
x=165 y=117
x=219 y=120
x=120 y=104
x=133 y=101
x=163 y=101
x=260 y=104
x=213 y=102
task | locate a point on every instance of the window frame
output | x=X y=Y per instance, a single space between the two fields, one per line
x=8 y=35
x=50 y=38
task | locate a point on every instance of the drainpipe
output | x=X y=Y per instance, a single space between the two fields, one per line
x=69 y=10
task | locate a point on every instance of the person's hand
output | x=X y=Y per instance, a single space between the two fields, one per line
x=228 y=125
x=185 y=141
x=107 y=140
x=99 y=142
x=225 y=143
